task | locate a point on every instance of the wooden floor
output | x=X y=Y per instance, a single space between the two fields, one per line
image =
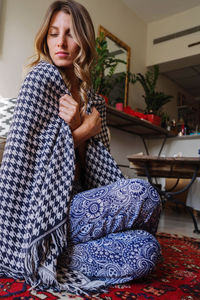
x=178 y=222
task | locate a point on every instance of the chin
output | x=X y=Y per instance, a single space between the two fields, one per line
x=63 y=64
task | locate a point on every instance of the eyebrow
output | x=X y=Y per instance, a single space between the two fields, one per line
x=53 y=27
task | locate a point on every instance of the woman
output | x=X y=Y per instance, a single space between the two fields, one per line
x=68 y=218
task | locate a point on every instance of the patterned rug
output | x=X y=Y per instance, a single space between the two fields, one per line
x=176 y=277
x=7 y=106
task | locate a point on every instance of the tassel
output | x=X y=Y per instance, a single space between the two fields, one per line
x=42 y=276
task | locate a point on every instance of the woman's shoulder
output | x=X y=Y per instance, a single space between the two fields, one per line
x=45 y=73
x=45 y=68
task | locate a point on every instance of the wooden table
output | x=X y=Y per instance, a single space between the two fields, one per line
x=168 y=167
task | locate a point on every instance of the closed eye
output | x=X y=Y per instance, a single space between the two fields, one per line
x=53 y=34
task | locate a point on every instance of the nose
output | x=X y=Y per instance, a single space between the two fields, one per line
x=61 y=41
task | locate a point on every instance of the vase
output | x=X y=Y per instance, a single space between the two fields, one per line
x=119 y=106
x=154 y=119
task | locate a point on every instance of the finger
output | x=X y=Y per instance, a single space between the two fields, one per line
x=68 y=104
x=69 y=108
x=64 y=98
x=67 y=99
x=65 y=117
x=95 y=111
x=68 y=117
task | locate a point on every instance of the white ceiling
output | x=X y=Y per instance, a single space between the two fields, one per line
x=152 y=10
x=185 y=73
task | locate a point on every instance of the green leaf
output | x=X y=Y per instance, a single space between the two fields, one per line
x=105 y=61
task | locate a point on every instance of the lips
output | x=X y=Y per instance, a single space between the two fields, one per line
x=62 y=54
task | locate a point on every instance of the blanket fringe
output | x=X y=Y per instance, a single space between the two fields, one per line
x=39 y=276
x=36 y=274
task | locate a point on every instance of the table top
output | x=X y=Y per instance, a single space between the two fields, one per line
x=168 y=167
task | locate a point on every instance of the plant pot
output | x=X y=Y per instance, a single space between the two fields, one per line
x=119 y=106
x=130 y=111
x=154 y=119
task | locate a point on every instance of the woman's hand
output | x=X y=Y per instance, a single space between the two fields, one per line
x=92 y=122
x=69 y=111
x=91 y=126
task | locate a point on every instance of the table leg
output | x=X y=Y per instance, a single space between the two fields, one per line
x=189 y=210
x=170 y=195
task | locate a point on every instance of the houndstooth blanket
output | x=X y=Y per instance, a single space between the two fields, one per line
x=36 y=179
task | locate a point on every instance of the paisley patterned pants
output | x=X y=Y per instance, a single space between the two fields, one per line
x=112 y=231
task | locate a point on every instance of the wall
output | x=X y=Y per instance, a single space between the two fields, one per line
x=176 y=48
x=124 y=144
x=20 y=21
x=188 y=146
x=169 y=87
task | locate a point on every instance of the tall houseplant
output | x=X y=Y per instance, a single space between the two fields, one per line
x=104 y=67
x=154 y=100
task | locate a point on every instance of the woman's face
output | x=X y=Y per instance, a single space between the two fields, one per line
x=62 y=47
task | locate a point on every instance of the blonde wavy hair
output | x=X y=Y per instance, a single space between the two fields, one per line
x=84 y=36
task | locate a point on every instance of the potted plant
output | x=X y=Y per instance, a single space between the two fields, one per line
x=154 y=100
x=164 y=119
x=104 y=67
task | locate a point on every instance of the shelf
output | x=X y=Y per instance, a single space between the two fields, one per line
x=187 y=137
x=122 y=121
x=182 y=106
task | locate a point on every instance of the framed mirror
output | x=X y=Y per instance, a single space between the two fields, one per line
x=121 y=51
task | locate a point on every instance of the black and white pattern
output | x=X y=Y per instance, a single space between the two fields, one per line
x=101 y=169
x=36 y=179
x=7 y=106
